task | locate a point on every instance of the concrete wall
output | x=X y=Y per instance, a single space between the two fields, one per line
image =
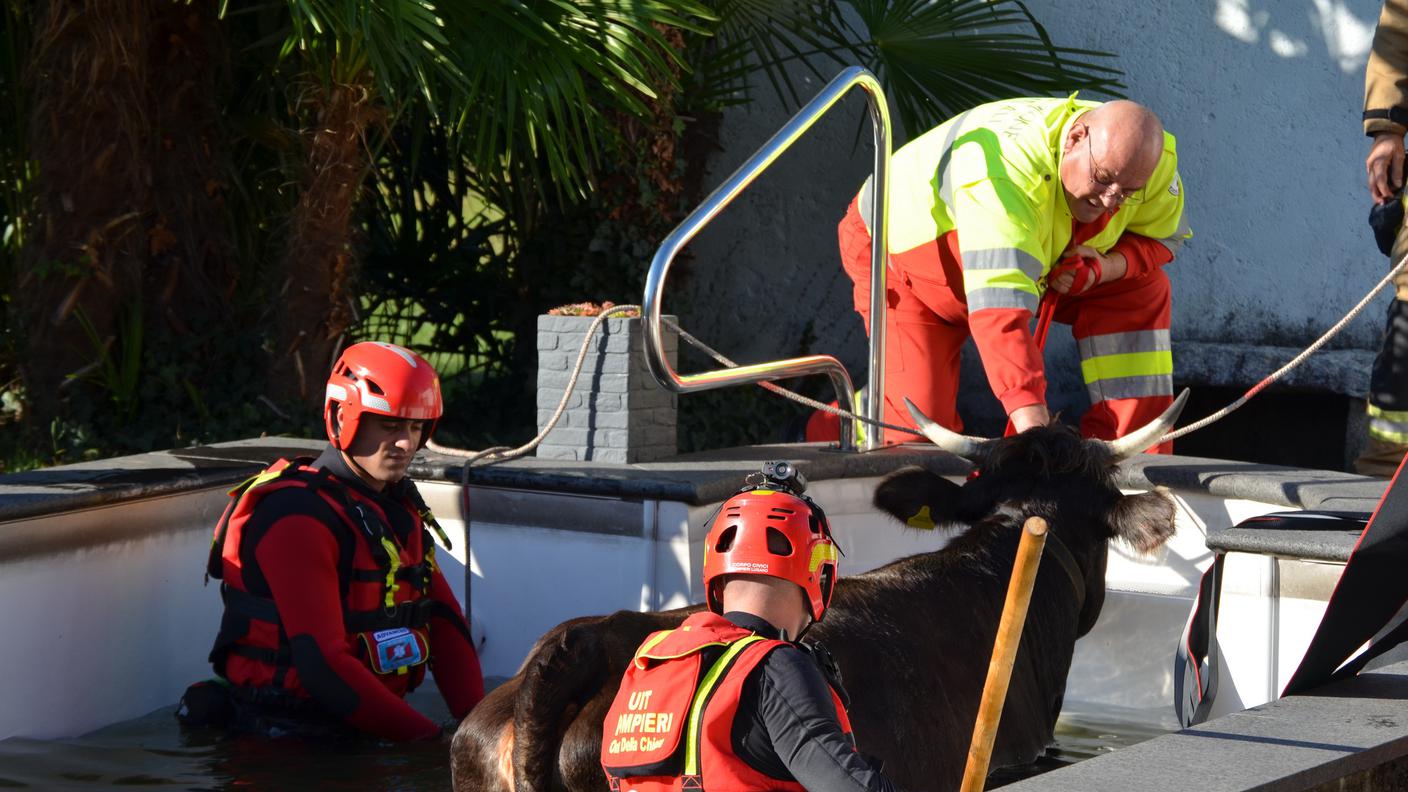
x=1265 y=99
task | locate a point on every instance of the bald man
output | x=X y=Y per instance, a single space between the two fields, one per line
x=1008 y=204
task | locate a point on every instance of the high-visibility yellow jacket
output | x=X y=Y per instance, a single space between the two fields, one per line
x=993 y=175
x=1386 y=77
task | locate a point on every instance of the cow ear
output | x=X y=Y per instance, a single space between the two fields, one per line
x=917 y=497
x=1144 y=521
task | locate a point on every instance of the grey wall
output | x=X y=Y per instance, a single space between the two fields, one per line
x=1265 y=98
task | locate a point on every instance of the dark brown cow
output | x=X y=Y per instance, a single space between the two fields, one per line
x=912 y=638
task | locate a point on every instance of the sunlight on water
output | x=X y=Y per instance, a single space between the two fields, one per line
x=152 y=751
x=1083 y=733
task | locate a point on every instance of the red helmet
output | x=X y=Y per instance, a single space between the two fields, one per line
x=775 y=533
x=380 y=379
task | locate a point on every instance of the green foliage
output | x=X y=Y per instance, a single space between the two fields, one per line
x=403 y=43
x=117 y=374
x=525 y=153
x=935 y=58
x=14 y=175
x=473 y=282
x=544 y=77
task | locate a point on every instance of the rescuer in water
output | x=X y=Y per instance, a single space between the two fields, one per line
x=732 y=699
x=334 y=604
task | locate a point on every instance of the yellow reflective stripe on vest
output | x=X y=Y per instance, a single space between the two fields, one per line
x=394 y=556
x=649 y=644
x=701 y=696
x=257 y=479
x=1001 y=278
x=997 y=287
x=1391 y=426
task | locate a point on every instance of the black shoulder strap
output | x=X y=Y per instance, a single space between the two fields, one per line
x=829 y=668
x=413 y=496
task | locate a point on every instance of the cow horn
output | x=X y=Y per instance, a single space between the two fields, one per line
x=970 y=448
x=1140 y=439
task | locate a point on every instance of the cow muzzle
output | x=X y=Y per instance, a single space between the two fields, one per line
x=974 y=448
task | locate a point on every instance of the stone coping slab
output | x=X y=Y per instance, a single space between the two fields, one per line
x=1297 y=743
x=695 y=479
x=1320 y=490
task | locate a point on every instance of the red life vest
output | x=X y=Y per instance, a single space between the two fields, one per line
x=384 y=584
x=671 y=725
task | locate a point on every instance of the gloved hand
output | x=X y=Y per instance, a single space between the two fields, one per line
x=1076 y=274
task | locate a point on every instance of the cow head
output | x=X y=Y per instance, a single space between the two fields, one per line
x=1050 y=472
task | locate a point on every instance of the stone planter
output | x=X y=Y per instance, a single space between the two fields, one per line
x=617 y=413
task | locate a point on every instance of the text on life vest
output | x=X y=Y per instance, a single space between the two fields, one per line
x=635 y=727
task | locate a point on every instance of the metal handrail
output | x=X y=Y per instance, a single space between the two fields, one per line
x=879 y=223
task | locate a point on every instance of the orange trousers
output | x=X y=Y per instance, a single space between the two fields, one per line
x=926 y=323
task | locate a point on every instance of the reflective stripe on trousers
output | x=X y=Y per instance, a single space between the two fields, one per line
x=1128 y=365
x=1390 y=426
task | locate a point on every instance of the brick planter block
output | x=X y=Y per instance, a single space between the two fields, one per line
x=618 y=413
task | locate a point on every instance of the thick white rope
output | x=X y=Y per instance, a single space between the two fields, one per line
x=1295 y=361
x=504 y=453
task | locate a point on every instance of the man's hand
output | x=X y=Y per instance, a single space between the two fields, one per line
x=1385 y=166
x=1024 y=418
x=1082 y=268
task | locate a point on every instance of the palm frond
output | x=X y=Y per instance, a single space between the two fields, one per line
x=537 y=94
x=935 y=57
x=940 y=58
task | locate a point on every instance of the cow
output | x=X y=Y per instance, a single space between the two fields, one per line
x=912 y=638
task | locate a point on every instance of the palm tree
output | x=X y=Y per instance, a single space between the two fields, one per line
x=149 y=181
x=521 y=82
x=110 y=193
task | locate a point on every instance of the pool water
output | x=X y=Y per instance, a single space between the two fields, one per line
x=152 y=751
x=1084 y=733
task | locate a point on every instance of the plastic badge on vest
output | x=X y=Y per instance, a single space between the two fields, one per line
x=392 y=650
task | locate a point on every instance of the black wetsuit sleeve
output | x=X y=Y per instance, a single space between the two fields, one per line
x=796 y=708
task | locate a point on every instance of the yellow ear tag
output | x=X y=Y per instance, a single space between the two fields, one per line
x=921 y=520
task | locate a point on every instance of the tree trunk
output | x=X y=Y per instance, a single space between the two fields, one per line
x=88 y=139
x=319 y=264
x=128 y=194
x=193 y=270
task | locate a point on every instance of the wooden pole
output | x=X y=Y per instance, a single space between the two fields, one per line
x=1004 y=653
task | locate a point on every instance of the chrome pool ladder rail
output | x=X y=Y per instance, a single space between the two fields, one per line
x=722 y=196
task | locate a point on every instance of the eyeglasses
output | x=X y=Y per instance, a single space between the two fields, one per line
x=1121 y=197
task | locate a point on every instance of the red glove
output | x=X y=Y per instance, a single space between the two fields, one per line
x=1085 y=273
